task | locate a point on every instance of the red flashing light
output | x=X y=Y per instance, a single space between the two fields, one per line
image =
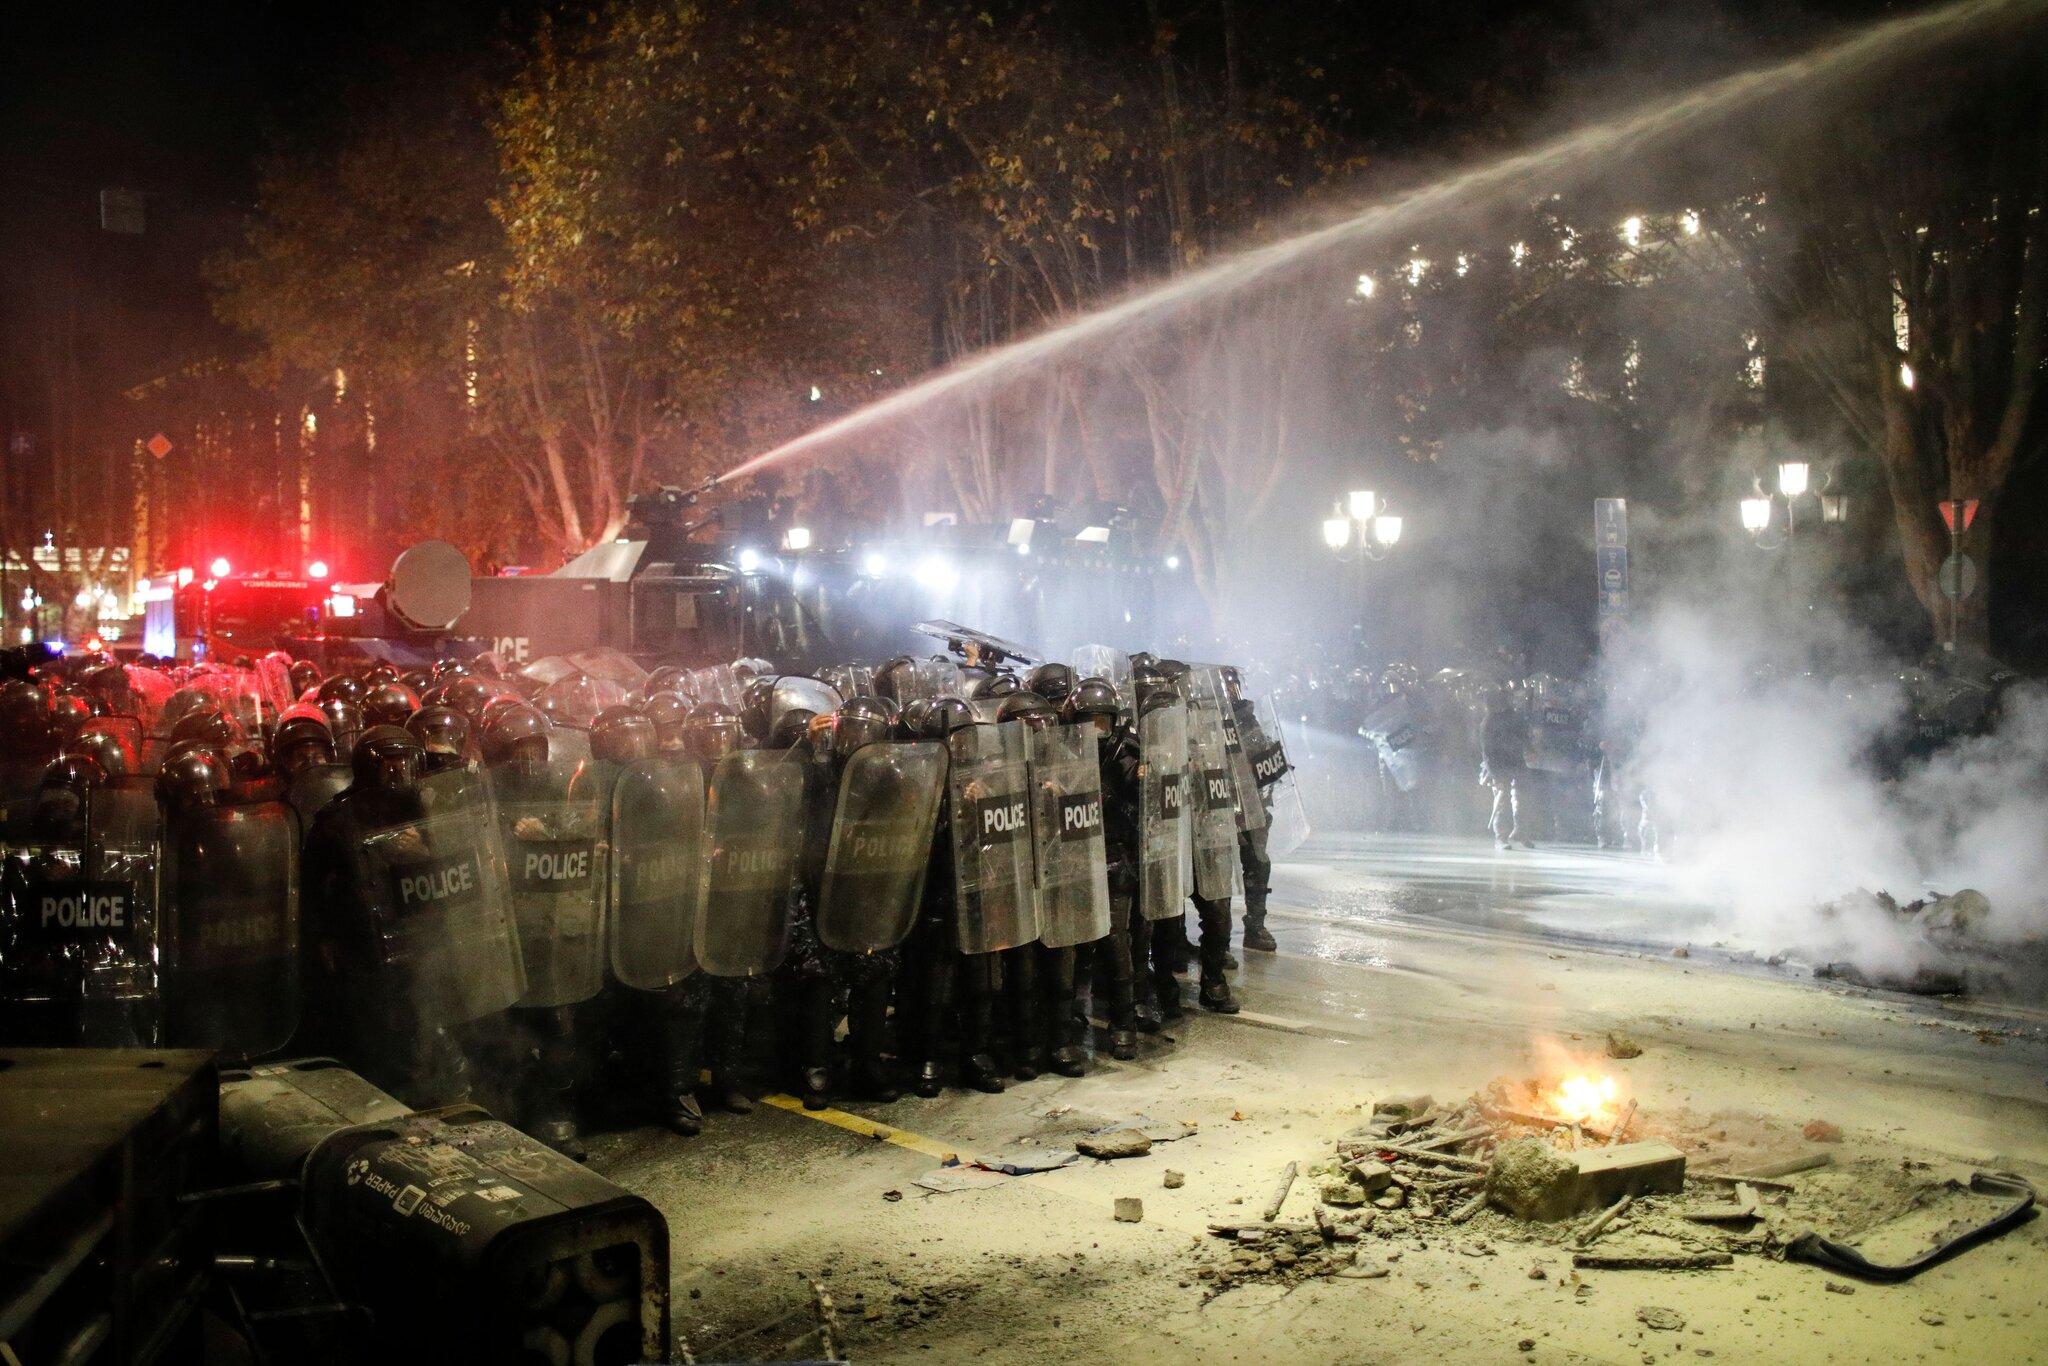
x=185 y=575
x=317 y=570
x=220 y=566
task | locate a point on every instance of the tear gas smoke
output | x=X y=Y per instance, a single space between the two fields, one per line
x=1766 y=735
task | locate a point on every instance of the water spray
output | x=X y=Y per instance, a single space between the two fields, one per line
x=1633 y=133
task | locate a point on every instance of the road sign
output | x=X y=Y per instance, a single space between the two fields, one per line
x=1610 y=523
x=158 y=445
x=1958 y=577
x=1611 y=570
x=1948 y=515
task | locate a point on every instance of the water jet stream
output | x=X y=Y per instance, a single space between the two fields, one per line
x=1632 y=133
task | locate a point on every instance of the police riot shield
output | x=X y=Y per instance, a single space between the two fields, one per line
x=431 y=891
x=850 y=680
x=312 y=788
x=1105 y=662
x=551 y=816
x=798 y=692
x=1068 y=837
x=1395 y=729
x=1207 y=692
x=78 y=927
x=988 y=792
x=1162 y=814
x=1211 y=804
x=576 y=699
x=882 y=826
x=1288 y=826
x=229 y=928
x=753 y=830
x=657 y=849
x=1557 y=727
x=719 y=683
x=929 y=679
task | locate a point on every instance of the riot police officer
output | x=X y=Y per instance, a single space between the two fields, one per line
x=1252 y=842
x=409 y=937
x=1503 y=766
x=949 y=995
x=550 y=813
x=1094 y=705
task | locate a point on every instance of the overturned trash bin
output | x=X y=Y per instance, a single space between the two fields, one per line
x=470 y=1241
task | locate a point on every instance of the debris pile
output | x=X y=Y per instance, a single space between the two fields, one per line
x=1504 y=1168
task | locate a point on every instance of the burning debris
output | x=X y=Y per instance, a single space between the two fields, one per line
x=1545 y=1164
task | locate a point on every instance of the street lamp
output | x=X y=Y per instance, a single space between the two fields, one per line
x=1756 y=514
x=1360 y=527
x=1792 y=478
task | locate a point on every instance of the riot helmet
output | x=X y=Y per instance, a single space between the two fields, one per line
x=621 y=735
x=946 y=715
x=206 y=724
x=469 y=694
x=304 y=675
x=192 y=775
x=61 y=794
x=68 y=711
x=996 y=686
x=443 y=732
x=860 y=721
x=1034 y=711
x=341 y=685
x=886 y=677
x=669 y=678
x=301 y=740
x=389 y=704
x=711 y=732
x=1094 y=698
x=516 y=733
x=378 y=674
x=668 y=711
x=790 y=728
x=387 y=759
x=1053 y=681
x=104 y=747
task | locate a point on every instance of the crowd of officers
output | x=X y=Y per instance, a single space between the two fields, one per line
x=1526 y=758
x=601 y=894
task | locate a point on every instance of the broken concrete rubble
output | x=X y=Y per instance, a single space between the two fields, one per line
x=1115 y=1144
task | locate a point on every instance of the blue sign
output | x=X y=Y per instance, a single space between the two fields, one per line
x=1611 y=567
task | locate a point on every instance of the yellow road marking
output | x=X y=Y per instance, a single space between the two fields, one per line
x=868 y=1128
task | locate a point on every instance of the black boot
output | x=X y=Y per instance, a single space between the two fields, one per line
x=725 y=1043
x=726 y=1095
x=867 y=1027
x=977 y=1005
x=1216 y=994
x=928 y=1082
x=1123 y=1044
x=1017 y=1049
x=1063 y=1029
x=682 y=1028
x=820 y=1018
x=1256 y=938
x=551 y=1106
x=1166 y=990
x=979 y=1071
